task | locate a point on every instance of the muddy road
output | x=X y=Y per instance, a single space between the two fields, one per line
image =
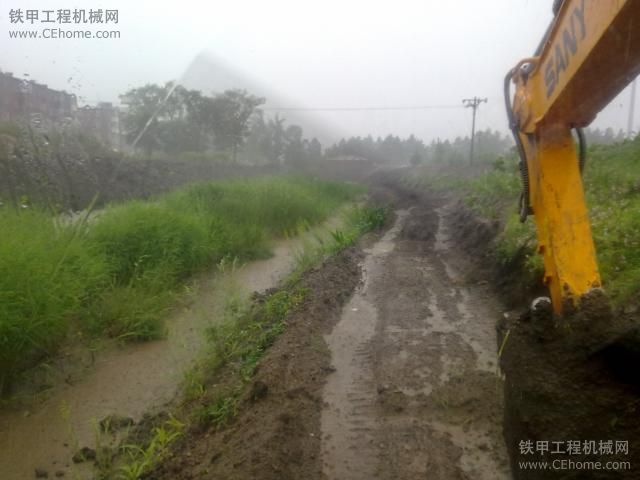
x=388 y=370
x=415 y=392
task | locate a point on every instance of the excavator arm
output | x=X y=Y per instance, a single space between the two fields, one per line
x=589 y=54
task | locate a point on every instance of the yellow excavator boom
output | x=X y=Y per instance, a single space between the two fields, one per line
x=589 y=54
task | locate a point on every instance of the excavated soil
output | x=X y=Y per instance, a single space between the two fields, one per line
x=573 y=379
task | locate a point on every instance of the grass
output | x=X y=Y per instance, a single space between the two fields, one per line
x=118 y=275
x=612 y=186
x=142 y=459
x=47 y=272
x=359 y=220
x=238 y=342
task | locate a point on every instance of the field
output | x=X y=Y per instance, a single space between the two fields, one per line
x=119 y=273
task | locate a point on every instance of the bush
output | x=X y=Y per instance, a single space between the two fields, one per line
x=46 y=273
x=150 y=239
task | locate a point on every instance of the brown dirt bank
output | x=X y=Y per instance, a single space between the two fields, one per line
x=276 y=434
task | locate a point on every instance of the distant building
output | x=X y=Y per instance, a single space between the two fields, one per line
x=103 y=121
x=28 y=100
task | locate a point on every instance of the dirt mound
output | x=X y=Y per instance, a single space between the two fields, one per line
x=572 y=380
x=276 y=434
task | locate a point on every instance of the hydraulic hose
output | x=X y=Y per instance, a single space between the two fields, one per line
x=582 y=149
x=525 y=207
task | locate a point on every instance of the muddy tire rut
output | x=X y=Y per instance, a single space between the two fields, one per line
x=416 y=392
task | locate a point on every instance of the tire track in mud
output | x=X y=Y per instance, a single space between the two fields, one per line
x=349 y=421
x=415 y=393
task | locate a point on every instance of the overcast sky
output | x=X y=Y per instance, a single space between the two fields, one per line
x=334 y=53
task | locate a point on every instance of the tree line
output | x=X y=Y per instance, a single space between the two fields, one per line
x=411 y=150
x=186 y=120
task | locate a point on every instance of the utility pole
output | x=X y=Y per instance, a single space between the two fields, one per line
x=473 y=103
x=632 y=109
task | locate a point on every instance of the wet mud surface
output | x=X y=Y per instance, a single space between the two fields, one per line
x=415 y=393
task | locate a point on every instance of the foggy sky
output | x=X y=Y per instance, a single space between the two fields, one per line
x=306 y=54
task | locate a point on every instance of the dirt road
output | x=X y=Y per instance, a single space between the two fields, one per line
x=415 y=392
x=403 y=386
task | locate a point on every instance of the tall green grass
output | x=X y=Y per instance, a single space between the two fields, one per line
x=120 y=274
x=47 y=271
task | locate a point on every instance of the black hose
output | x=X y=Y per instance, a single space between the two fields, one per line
x=525 y=206
x=582 y=149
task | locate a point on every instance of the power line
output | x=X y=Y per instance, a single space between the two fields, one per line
x=360 y=109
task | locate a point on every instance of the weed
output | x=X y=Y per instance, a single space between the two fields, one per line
x=143 y=458
x=46 y=273
x=218 y=412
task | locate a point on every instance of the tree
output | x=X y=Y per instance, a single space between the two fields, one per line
x=278 y=139
x=314 y=150
x=172 y=118
x=232 y=111
x=294 y=153
x=142 y=103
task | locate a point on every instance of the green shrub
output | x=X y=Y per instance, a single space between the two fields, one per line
x=139 y=238
x=46 y=273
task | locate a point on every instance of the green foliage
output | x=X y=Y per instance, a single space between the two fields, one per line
x=366 y=219
x=47 y=271
x=245 y=333
x=130 y=312
x=219 y=411
x=517 y=243
x=230 y=115
x=119 y=277
x=139 y=238
x=612 y=183
x=489 y=193
x=240 y=340
x=142 y=458
x=411 y=150
x=514 y=238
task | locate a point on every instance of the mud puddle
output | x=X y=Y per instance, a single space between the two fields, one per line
x=132 y=380
x=415 y=392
